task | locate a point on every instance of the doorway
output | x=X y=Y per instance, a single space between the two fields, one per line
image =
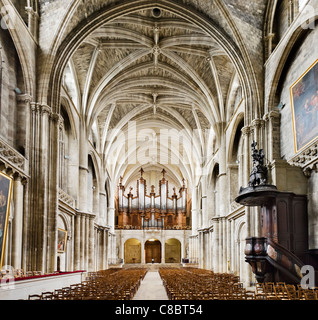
x=153 y=251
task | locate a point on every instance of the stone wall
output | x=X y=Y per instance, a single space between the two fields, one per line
x=9 y=81
x=298 y=63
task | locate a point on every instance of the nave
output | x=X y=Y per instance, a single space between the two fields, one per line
x=173 y=283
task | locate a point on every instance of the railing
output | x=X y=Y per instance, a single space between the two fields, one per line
x=265 y=255
x=11 y=156
x=130 y=227
x=63 y=196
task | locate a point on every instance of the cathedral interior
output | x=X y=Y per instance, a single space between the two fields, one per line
x=176 y=133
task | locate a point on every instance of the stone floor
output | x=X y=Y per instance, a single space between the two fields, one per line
x=151 y=288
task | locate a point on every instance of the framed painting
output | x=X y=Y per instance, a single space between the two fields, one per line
x=304 y=102
x=5 y=199
x=61 y=240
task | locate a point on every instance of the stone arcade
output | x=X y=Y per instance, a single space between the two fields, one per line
x=126 y=128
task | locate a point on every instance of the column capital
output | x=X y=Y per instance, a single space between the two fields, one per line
x=258 y=123
x=246 y=130
x=24 y=98
x=273 y=114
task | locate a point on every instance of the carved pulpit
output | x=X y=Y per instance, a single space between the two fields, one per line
x=282 y=249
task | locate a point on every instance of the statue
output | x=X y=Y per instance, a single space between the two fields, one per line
x=259 y=172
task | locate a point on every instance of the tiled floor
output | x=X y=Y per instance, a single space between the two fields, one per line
x=151 y=288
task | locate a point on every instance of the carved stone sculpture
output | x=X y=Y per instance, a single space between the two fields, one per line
x=258 y=175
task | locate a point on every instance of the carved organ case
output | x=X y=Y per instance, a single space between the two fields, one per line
x=153 y=210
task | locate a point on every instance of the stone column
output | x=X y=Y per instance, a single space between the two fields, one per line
x=194 y=211
x=163 y=251
x=204 y=212
x=143 y=260
x=77 y=242
x=232 y=243
x=111 y=218
x=82 y=241
x=200 y=253
x=17 y=223
x=105 y=251
x=83 y=169
x=102 y=208
x=222 y=178
x=72 y=244
x=91 y=244
x=53 y=192
x=26 y=223
x=246 y=173
x=86 y=242
x=43 y=159
x=215 y=243
x=272 y=121
x=33 y=18
x=23 y=125
x=114 y=247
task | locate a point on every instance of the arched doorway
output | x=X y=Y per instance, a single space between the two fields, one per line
x=132 y=251
x=153 y=251
x=173 y=251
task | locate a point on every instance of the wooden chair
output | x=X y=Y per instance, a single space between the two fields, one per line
x=35 y=297
x=47 y=295
x=310 y=294
x=292 y=293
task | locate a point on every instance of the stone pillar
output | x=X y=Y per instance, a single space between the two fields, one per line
x=82 y=242
x=105 y=251
x=143 y=260
x=163 y=251
x=77 y=242
x=215 y=243
x=26 y=223
x=194 y=211
x=200 y=253
x=114 y=247
x=91 y=244
x=269 y=44
x=246 y=173
x=224 y=244
x=23 y=125
x=33 y=21
x=53 y=192
x=111 y=218
x=205 y=215
x=272 y=135
x=102 y=208
x=17 y=223
x=232 y=243
x=83 y=169
x=72 y=244
x=43 y=188
x=222 y=178
x=86 y=242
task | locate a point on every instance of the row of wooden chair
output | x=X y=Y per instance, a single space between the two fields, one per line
x=110 y=284
x=20 y=273
x=285 y=291
x=200 y=284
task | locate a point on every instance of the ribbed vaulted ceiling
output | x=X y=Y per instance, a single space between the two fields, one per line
x=160 y=75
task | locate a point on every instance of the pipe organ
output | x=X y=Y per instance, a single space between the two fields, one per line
x=143 y=210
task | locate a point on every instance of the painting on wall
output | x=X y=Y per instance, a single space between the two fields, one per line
x=61 y=240
x=5 y=199
x=304 y=102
